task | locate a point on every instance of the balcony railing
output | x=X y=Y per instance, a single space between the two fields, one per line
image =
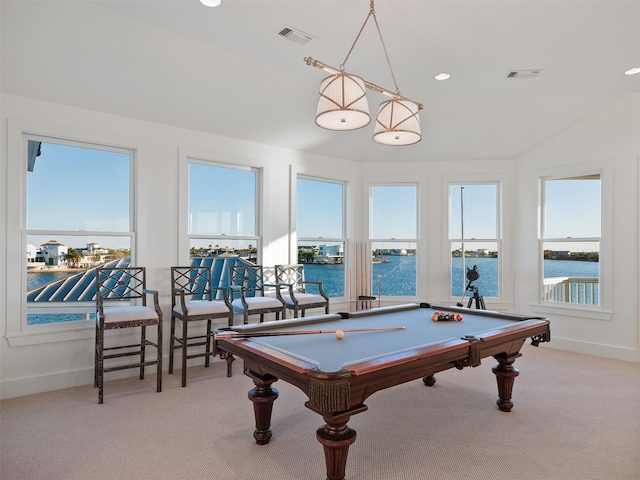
x=578 y=290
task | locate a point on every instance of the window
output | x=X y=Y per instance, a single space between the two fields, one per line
x=320 y=230
x=570 y=239
x=73 y=224
x=474 y=240
x=393 y=236
x=222 y=210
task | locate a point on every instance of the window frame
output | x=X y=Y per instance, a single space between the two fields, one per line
x=186 y=158
x=604 y=311
x=603 y=293
x=416 y=240
x=499 y=240
x=296 y=239
x=18 y=133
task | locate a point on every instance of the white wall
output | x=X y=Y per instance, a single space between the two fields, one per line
x=35 y=363
x=40 y=361
x=609 y=141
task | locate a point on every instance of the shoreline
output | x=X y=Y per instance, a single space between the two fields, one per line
x=55 y=270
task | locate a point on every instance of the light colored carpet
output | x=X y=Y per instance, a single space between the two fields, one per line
x=575 y=417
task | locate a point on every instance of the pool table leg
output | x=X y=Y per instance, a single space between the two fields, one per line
x=506 y=374
x=336 y=437
x=262 y=397
x=429 y=380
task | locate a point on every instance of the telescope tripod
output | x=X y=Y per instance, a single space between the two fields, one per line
x=475 y=298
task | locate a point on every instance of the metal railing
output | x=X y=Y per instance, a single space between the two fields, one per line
x=577 y=290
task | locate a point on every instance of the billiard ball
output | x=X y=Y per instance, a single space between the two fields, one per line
x=339 y=334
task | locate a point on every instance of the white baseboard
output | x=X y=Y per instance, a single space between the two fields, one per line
x=20 y=387
x=595 y=349
x=45 y=383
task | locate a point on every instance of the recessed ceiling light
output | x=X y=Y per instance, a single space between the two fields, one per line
x=442 y=76
x=211 y=3
x=632 y=71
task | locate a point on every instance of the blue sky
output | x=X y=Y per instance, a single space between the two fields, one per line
x=78 y=189
x=214 y=189
x=310 y=195
x=573 y=208
x=70 y=190
x=81 y=189
x=478 y=217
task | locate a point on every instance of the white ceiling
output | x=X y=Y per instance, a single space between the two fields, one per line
x=226 y=71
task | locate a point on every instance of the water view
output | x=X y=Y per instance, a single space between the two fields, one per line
x=35 y=278
x=395 y=276
x=398 y=275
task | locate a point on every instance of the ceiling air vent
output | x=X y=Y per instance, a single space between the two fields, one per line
x=295 y=36
x=523 y=73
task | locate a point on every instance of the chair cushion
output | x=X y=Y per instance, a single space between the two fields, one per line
x=304 y=299
x=128 y=314
x=202 y=307
x=257 y=303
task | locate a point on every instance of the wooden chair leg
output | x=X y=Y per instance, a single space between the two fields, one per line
x=172 y=343
x=95 y=359
x=100 y=366
x=184 y=352
x=143 y=338
x=208 y=346
x=159 y=369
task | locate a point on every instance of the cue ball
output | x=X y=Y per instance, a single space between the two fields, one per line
x=339 y=334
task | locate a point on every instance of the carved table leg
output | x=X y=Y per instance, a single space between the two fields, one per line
x=263 y=397
x=506 y=374
x=429 y=380
x=336 y=437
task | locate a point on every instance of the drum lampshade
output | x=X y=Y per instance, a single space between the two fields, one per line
x=343 y=103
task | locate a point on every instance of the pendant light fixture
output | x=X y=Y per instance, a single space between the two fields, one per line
x=343 y=104
x=397 y=123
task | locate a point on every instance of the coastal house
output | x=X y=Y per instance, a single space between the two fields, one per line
x=221 y=89
x=33 y=255
x=329 y=254
x=53 y=254
x=93 y=254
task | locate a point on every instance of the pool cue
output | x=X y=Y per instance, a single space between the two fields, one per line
x=221 y=336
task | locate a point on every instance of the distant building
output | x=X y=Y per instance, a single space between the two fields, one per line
x=93 y=255
x=329 y=254
x=32 y=253
x=53 y=253
x=558 y=254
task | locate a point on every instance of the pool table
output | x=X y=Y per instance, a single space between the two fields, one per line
x=338 y=375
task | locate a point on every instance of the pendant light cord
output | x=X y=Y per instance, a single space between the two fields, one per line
x=372 y=12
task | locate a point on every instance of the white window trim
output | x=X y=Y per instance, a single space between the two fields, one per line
x=505 y=290
x=18 y=333
x=370 y=240
x=187 y=156
x=348 y=220
x=604 y=310
x=293 y=230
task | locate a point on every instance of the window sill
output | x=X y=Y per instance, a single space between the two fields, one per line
x=587 y=313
